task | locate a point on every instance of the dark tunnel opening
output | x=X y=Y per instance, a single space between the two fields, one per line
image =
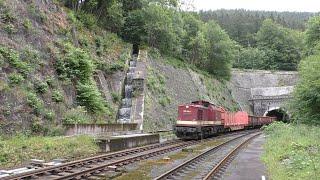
x=280 y=114
x=135 y=49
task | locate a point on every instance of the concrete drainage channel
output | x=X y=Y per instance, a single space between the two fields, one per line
x=126 y=104
x=93 y=166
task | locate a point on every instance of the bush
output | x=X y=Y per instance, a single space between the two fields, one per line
x=15 y=78
x=57 y=96
x=37 y=127
x=89 y=96
x=10 y=29
x=164 y=101
x=30 y=55
x=50 y=81
x=8 y=16
x=49 y=115
x=14 y=60
x=27 y=24
x=88 y=20
x=34 y=102
x=77 y=116
x=41 y=87
x=76 y=64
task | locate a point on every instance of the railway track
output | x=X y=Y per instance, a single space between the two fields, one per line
x=218 y=157
x=96 y=165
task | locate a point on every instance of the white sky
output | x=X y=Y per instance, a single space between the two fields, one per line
x=268 y=5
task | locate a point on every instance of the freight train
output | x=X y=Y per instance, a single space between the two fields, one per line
x=201 y=119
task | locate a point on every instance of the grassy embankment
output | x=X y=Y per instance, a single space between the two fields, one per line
x=20 y=149
x=292 y=151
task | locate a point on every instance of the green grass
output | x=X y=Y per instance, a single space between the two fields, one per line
x=292 y=151
x=19 y=149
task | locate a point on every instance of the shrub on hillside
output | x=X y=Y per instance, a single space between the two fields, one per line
x=15 y=78
x=10 y=29
x=27 y=24
x=76 y=64
x=88 y=20
x=89 y=96
x=57 y=96
x=13 y=58
x=49 y=115
x=41 y=87
x=34 y=102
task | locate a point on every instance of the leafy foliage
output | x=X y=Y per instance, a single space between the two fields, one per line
x=221 y=51
x=306 y=102
x=10 y=29
x=89 y=96
x=77 y=65
x=313 y=34
x=35 y=103
x=13 y=58
x=251 y=58
x=15 y=78
x=282 y=46
x=242 y=25
x=57 y=96
x=41 y=86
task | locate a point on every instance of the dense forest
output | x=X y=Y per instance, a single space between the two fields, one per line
x=242 y=24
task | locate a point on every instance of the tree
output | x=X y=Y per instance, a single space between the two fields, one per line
x=197 y=53
x=306 y=100
x=220 y=50
x=159 y=28
x=193 y=37
x=251 y=58
x=313 y=34
x=283 y=46
x=133 y=30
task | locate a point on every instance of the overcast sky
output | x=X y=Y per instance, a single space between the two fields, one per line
x=268 y=5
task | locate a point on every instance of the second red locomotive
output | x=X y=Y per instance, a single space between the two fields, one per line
x=201 y=119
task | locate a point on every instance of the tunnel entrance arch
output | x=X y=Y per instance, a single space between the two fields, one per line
x=280 y=113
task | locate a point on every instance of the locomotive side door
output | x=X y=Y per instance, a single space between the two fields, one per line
x=200 y=114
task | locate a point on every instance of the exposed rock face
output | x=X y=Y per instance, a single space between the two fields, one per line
x=250 y=84
x=181 y=85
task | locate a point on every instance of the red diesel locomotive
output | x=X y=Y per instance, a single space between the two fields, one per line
x=201 y=119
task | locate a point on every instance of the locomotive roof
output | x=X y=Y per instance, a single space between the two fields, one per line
x=202 y=102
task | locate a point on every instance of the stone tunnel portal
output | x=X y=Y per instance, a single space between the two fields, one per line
x=279 y=113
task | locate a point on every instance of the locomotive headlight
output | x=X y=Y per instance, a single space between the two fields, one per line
x=187 y=106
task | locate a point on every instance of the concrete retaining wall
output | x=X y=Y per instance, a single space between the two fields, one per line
x=99 y=129
x=117 y=143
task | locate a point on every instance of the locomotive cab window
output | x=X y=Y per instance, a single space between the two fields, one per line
x=206 y=104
